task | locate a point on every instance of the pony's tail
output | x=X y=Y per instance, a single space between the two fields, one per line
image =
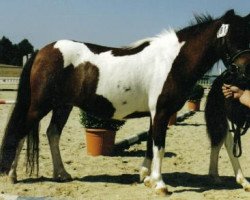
x=215 y=114
x=16 y=128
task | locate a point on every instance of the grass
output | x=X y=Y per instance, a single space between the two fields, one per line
x=10 y=71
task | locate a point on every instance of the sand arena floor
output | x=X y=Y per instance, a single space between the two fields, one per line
x=184 y=170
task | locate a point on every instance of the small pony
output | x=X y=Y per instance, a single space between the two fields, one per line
x=219 y=111
x=155 y=75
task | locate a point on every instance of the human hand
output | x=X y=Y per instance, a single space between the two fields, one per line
x=231 y=91
x=237 y=93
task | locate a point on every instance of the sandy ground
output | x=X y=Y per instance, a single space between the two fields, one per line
x=185 y=165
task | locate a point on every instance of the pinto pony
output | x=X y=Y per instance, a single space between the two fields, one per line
x=219 y=111
x=154 y=75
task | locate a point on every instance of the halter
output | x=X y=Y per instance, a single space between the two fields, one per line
x=234 y=69
x=229 y=62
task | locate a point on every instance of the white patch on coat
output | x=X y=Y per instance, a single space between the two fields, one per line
x=143 y=73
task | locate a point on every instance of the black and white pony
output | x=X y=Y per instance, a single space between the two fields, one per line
x=220 y=113
x=155 y=75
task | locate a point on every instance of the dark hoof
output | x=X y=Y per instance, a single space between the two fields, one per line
x=63 y=178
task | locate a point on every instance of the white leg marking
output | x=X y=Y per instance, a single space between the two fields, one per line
x=235 y=163
x=12 y=173
x=213 y=168
x=59 y=171
x=157 y=162
x=145 y=168
x=155 y=179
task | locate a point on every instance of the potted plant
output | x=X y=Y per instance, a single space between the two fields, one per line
x=100 y=134
x=194 y=98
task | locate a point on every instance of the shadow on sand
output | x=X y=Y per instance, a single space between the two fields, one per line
x=140 y=153
x=193 y=182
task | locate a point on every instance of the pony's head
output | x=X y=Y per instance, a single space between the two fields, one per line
x=233 y=37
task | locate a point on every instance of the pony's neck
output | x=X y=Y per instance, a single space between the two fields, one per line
x=200 y=51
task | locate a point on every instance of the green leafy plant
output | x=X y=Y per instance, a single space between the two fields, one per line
x=90 y=121
x=196 y=93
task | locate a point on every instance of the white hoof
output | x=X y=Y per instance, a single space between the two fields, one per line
x=247 y=188
x=245 y=184
x=240 y=179
x=144 y=172
x=158 y=185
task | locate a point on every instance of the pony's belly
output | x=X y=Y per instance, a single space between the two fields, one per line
x=123 y=111
x=125 y=104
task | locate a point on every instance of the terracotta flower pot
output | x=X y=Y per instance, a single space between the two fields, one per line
x=193 y=105
x=172 y=119
x=100 y=142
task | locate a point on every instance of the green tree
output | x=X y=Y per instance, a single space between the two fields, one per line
x=25 y=47
x=17 y=58
x=6 y=51
x=13 y=53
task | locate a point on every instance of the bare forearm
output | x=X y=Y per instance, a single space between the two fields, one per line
x=245 y=98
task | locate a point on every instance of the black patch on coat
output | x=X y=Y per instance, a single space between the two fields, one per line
x=126 y=89
x=126 y=51
x=130 y=51
x=78 y=87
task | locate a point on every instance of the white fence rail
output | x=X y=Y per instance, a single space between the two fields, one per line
x=9 y=80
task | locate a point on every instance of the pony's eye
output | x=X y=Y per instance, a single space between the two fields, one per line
x=233 y=69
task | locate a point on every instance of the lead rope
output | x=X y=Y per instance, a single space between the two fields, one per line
x=237 y=137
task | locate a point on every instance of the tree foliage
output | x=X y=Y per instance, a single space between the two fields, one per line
x=12 y=54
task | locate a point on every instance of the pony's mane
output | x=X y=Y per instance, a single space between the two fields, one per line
x=201 y=19
x=198 y=22
x=138 y=43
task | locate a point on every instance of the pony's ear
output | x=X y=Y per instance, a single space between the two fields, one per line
x=229 y=15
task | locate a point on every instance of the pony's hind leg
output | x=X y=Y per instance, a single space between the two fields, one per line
x=146 y=164
x=214 y=158
x=217 y=126
x=240 y=179
x=12 y=173
x=59 y=118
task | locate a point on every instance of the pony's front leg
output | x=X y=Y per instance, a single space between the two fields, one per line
x=159 y=133
x=240 y=179
x=12 y=173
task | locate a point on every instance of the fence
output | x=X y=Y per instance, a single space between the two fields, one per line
x=3 y=101
x=207 y=81
x=9 y=80
x=9 y=83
